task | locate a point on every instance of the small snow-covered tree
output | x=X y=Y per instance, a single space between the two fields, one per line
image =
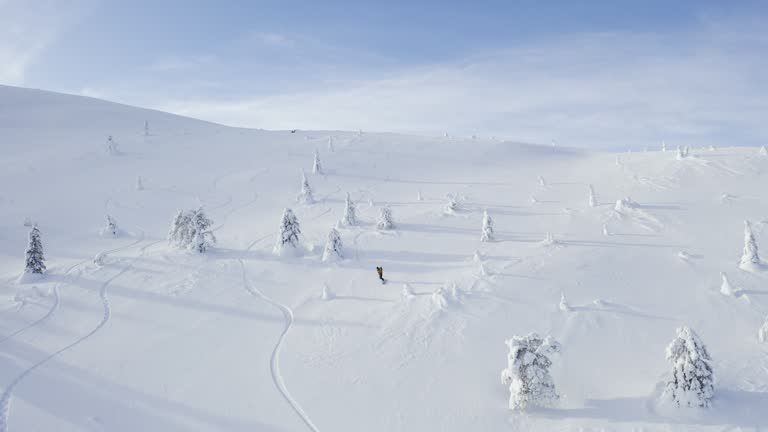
x=28 y=221
x=146 y=128
x=334 y=248
x=750 y=257
x=305 y=194
x=178 y=234
x=763 y=151
x=35 y=262
x=200 y=230
x=111 y=146
x=487 y=231
x=330 y=144
x=317 y=167
x=664 y=146
x=139 y=184
x=111 y=229
x=564 y=306
x=191 y=230
x=350 y=212
x=527 y=371
x=692 y=381
x=419 y=197
x=762 y=333
x=385 y=221
x=452 y=205
x=725 y=286
x=542 y=182
x=288 y=236
x=592 y=198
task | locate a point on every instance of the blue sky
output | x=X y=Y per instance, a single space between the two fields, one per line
x=589 y=73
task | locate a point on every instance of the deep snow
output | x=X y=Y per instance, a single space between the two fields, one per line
x=240 y=339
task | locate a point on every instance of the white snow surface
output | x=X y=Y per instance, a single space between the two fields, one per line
x=238 y=339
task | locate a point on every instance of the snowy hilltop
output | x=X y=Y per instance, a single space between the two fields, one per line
x=160 y=273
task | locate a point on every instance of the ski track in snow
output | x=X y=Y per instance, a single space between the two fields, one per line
x=274 y=361
x=5 y=399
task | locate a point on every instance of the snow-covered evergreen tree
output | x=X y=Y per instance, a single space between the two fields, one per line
x=692 y=381
x=192 y=230
x=527 y=371
x=146 y=128
x=680 y=153
x=763 y=151
x=288 y=237
x=605 y=230
x=418 y=196
x=139 y=184
x=725 y=286
x=750 y=257
x=542 y=182
x=664 y=146
x=202 y=236
x=178 y=234
x=330 y=144
x=305 y=194
x=111 y=229
x=35 y=262
x=326 y=294
x=564 y=306
x=487 y=231
x=385 y=221
x=350 y=212
x=317 y=167
x=334 y=248
x=592 y=198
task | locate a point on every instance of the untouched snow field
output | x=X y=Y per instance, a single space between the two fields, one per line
x=238 y=339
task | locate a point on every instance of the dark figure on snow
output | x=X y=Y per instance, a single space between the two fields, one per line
x=380 y=271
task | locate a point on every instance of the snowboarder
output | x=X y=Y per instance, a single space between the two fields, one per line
x=380 y=271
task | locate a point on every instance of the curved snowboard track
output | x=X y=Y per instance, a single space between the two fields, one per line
x=5 y=399
x=274 y=361
x=56 y=300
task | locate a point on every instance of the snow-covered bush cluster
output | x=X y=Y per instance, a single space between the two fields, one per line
x=692 y=382
x=191 y=230
x=527 y=371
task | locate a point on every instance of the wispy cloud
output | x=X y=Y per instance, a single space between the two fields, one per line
x=705 y=85
x=27 y=28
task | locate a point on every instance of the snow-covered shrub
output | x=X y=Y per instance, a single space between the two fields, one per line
x=564 y=306
x=762 y=333
x=549 y=240
x=305 y=194
x=527 y=371
x=327 y=294
x=418 y=196
x=452 y=205
x=625 y=204
x=28 y=221
x=334 y=248
x=407 y=292
x=664 y=146
x=35 y=260
x=487 y=230
x=691 y=383
x=533 y=199
x=99 y=258
x=542 y=182
x=317 y=167
x=111 y=229
x=146 y=128
x=330 y=144
x=350 y=213
x=191 y=230
x=606 y=232
x=288 y=236
x=725 y=286
x=750 y=257
x=385 y=221
x=592 y=198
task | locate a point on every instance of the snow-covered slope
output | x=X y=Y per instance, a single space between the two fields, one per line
x=239 y=339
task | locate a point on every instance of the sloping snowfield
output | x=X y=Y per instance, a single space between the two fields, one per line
x=238 y=339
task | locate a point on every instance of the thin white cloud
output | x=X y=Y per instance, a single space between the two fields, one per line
x=27 y=28
x=697 y=87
